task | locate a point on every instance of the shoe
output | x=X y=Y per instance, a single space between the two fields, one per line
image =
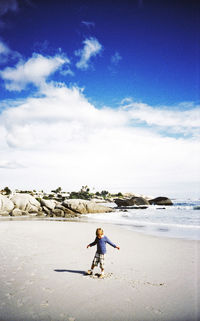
x=89 y=272
x=101 y=276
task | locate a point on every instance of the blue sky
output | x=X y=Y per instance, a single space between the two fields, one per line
x=158 y=42
x=123 y=73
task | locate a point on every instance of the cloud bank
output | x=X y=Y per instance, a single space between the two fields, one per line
x=60 y=139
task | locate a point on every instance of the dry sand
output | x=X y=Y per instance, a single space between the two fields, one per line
x=42 y=275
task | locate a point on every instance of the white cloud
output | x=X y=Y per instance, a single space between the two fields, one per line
x=6 y=5
x=6 y=53
x=91 y=48
x=176 y=120
x=10 y=164
x=88 y=24
x=63 y=140
x=4 y=50
x=35 y=70
x=115 y=59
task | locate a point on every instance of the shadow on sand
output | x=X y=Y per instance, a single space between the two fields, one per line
x=71 y=271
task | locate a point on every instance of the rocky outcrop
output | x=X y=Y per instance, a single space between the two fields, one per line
x=138 y=201
x=161 y=201
x=6 y=205
x=83 y=207
x=26 y=202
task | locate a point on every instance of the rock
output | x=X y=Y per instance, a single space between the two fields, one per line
x=69 y=213
x=26 y=202
x=41 y=214
x=140 y=201
x=4 y=213
x=130 y=202
x=16 y=212
x=83 y=207
x=161 y=201
x=25 y=213
x=58 y=212
x=33 y=214
x=48 y=203
x=197 y=207
x=46 y=210
x=60 y=207
x=123 y=202
x=6 y=205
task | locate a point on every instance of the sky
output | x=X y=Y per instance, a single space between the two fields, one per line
x=104 y=94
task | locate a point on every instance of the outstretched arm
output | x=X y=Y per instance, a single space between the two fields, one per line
x=112 y=244
x=92 y=244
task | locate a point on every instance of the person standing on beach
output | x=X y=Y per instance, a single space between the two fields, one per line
x=99 y=257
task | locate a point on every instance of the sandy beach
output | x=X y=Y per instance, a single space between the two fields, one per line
x=42 y=274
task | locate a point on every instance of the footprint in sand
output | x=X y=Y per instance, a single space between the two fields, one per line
x=48 y=290
x=9 y=282
x=9 y=295
x=19 y=268
x=156 y=311
x=2 y=305
x=20 y=303
x=97 y=276
x=22 y=288
x=29 y=282
x=44 y=304
x=155 y=284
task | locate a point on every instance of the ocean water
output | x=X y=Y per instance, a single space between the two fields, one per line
x=182 y=220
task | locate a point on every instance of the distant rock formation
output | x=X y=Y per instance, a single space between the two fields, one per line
x=138 y=201
x=161 y=201
x=25 y=204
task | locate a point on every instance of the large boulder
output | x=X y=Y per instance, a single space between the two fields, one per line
x=83 y=207
x=124 y=202
x=161 y=200
x=26 y=202
x=6 y=205
x=50 y=204
x=131 y=202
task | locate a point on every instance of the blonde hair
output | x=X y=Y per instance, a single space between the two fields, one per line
x=99 y=231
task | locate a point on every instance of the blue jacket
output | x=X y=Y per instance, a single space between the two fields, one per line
x=101 y=244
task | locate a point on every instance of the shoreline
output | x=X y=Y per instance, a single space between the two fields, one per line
x=165 y=232
x=42 y=274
